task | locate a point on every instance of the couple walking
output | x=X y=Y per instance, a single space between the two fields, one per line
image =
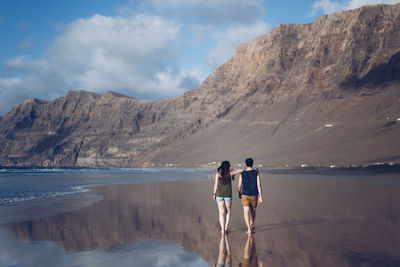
x=249 y=188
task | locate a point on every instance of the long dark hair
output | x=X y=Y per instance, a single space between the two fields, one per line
x=224 y=172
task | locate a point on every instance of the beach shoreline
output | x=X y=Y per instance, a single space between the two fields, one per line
x=300 y=216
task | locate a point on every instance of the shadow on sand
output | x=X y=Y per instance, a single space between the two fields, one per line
x=287 y=224
x=294 y=223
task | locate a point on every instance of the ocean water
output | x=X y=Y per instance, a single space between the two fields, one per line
x=28 y=193
x=307 y=218
x=21 y=185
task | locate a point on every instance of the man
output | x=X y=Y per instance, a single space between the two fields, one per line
x=249 y=186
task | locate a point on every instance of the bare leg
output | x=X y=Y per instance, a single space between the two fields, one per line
x=253 y=217
x=221 y=212
x=247 y=218
x=228 y=259
x=221 y=252
x=247 y=248
x=228 y=206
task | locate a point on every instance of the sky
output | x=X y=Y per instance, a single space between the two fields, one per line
x=150 y=49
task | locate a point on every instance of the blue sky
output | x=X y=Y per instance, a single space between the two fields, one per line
x=152 y=49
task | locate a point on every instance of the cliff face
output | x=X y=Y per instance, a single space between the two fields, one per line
x=322 y=93
x=326 y=93
x=87 y=129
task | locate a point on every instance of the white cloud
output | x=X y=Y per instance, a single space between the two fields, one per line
x=358 y=3
x=215 y=12
x=181 y=80
x=133 y=55
x=27 y=78
x=105 y=53
x=328 y=6
x=228 y=40
x=220 y=24
x=136 y=54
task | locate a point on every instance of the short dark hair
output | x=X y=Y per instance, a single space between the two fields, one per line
x=249 y=162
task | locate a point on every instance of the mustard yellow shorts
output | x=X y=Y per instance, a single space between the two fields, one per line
x=249 y=200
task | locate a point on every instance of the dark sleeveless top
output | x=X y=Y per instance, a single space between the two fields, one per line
x=224 y=190
x=249 y=183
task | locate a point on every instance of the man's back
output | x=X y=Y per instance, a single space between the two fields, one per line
x=249 y=179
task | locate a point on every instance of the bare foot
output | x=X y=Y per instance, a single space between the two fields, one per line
x=249 y=232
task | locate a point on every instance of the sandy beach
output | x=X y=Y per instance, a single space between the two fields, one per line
x=305 y=220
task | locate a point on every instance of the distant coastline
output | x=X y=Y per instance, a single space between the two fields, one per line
x=377 y=167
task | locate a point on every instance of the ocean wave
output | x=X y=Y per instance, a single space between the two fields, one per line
x=37 y=171
x=20 y=185
x=32 y=196
x=46 y=171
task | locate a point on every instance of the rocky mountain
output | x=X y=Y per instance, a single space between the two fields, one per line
x=326 y=93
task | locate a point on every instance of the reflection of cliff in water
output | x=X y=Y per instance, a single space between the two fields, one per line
x=310 y=221
x=128 y=213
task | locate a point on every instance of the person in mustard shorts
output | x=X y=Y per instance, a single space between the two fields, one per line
x=249 y=187
x=223 y=193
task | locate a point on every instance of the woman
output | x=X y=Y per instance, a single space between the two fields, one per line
x=223 y=193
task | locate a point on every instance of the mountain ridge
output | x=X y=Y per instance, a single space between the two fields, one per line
x=272 y=100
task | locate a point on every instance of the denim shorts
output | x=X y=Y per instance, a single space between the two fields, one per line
x=226 y=199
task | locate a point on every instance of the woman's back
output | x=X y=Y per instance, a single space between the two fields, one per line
x=224 y=189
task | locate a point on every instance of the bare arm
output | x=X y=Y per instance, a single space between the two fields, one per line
x=215 y=185
x=260 y=199
x=233 y=172
x=240 y=183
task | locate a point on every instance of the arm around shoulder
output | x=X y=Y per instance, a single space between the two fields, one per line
x=234 y=172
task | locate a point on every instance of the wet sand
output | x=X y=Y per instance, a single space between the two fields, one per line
x=305 y=220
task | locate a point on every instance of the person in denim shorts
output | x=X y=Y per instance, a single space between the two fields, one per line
x=223 y=193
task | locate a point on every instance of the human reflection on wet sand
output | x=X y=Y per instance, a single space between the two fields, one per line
x=304 y=221
x=224 y=252
x=250 y=254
